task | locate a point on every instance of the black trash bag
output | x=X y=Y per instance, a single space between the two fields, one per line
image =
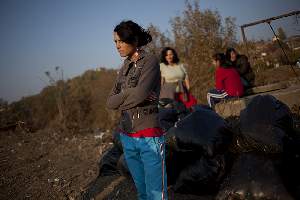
x=116 y=139
x=202 y=130
x=201 y=106
x=167 y=118
x=108 y=162
x=176 y=161
x=180 y=108
x=165 y=102
x=182 y=111
x=242 y=143
x=290 y=167
x=123 y=167
x=266 y=121
x=253 y=177
x=170 y=112
x=203 y=176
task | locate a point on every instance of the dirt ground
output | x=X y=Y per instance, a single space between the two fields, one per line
x=55 y=165
x=49 y=164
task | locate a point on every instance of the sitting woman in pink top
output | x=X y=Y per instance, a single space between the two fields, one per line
x=228 y=82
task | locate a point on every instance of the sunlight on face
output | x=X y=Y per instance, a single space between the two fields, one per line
x=232 y=56
x=169 y=57
x=123 y=48
x=214 y=62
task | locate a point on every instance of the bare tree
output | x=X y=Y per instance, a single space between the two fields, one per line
x=281 y=34
x=60 y=93
x=159 y=40
x=198 y=34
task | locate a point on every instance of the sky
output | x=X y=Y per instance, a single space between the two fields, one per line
x=38 y=35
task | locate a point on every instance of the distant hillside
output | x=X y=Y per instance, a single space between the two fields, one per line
x=79 y=103
x=74 y=104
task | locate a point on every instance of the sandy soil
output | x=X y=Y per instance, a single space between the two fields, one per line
x=56 y=165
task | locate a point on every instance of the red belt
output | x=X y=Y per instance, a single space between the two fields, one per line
x=148 y=132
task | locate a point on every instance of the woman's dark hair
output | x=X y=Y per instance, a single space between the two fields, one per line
x=164 y=53
x=228 y=52
x=228 y=61
x=132 y=33
x=220 y=57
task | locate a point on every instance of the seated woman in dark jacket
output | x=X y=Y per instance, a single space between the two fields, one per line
x=228 y=81
x=242 y=65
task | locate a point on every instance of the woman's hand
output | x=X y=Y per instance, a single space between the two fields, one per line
x=187 y=83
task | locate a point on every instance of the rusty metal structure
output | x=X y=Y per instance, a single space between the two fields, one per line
x=268 y=21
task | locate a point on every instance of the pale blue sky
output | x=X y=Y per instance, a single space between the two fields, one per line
x=37 y=35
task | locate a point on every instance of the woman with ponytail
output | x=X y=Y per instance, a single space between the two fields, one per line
x=135 y=94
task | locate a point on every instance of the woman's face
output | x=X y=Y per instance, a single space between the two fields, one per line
x=216 y=63
x=124 y=48
x=232 y=55
x=169 y=56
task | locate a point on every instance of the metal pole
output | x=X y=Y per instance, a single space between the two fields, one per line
x=287 y=58
x=245 y=41
x=271 y=19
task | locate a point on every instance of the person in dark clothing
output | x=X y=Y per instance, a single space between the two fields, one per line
x=228 y=81
x=135 y=94
x=242 y=65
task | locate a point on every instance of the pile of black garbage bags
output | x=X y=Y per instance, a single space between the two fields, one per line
x=257 y=159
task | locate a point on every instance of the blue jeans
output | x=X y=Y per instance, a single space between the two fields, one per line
x=145 y=158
